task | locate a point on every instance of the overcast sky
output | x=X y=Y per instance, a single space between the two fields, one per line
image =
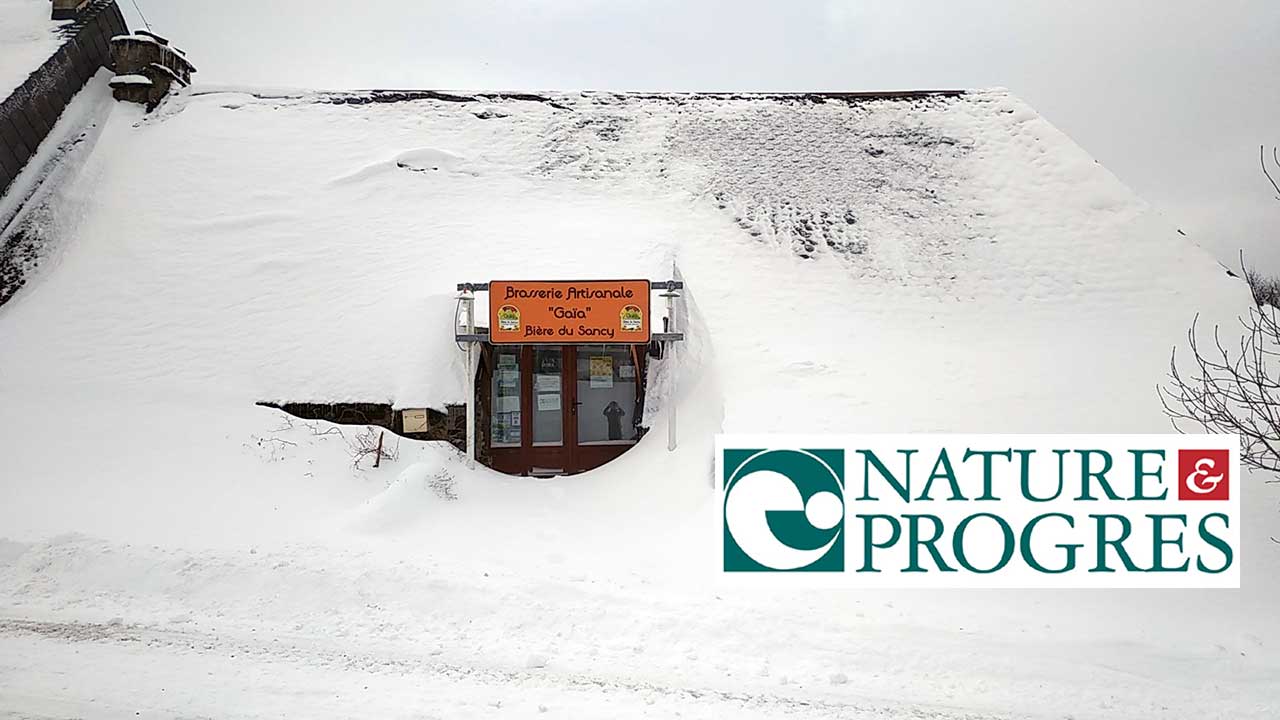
x=1173 y=96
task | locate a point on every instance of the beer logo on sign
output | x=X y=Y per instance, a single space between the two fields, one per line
x=632 y=319
x=508 y=318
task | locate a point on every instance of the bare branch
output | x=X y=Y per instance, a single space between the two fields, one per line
x=1231 y=388
x=1262 y=158
x=369 y=444
x=317 y=432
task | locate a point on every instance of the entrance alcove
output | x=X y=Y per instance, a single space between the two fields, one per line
x=558 y=409
x=545 y=407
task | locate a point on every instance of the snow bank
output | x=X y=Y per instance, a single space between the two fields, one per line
x=924 y=265
x=421 y=160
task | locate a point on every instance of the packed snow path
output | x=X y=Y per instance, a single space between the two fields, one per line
x=98 y=630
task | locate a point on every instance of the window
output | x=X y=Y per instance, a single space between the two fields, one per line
x=606 y=384
x=548 y=396
x=505 y=423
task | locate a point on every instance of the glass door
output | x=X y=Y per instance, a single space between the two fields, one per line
x=547 y=409
x=559 y=410
x=606 y=401
x=548 y=397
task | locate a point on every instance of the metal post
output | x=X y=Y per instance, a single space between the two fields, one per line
x=669 y=352
x=468 y=302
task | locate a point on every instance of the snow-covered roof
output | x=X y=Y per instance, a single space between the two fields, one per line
x=163 y=70
x=28 y=37
x=306 y=248
x=136 y=37
x=167 y=51
x=944 y=263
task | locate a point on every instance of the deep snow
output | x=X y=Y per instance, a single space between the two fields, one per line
x=231 y=248
x=28 y=36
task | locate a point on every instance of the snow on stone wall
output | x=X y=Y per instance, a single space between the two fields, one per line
x=57 y=73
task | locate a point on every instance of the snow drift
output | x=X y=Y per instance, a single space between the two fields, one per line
x=931 y=264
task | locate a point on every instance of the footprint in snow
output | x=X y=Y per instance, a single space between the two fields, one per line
x=803 y=368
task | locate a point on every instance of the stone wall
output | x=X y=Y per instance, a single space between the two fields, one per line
x=449 y=426
x=29 y=113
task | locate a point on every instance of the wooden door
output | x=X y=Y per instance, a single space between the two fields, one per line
x=605 y=390
x=548 y=399
x=556 y=410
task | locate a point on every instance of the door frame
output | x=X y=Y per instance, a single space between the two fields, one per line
x=569 y=457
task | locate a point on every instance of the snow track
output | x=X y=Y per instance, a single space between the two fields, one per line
x=432 y=665
x=318 y=633
x=244 y=668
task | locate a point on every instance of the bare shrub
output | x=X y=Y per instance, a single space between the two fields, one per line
x=1236 y=390
x=271 y=448
x=1232 y=390
x=370 y=444
x=441 y=484
x=1265 y=288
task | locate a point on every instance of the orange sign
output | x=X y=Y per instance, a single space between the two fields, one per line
x=569 y=312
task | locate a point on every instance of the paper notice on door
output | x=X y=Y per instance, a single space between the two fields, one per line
x=546 y=383
x=548 y=401
x=627 y=372
x=508 y=378
x=508 y=404
x=602 y=371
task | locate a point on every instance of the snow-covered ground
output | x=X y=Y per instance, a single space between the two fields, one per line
x=950 y=264
x=27 y=38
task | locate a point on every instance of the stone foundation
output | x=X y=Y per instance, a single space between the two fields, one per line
x=449 y=426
